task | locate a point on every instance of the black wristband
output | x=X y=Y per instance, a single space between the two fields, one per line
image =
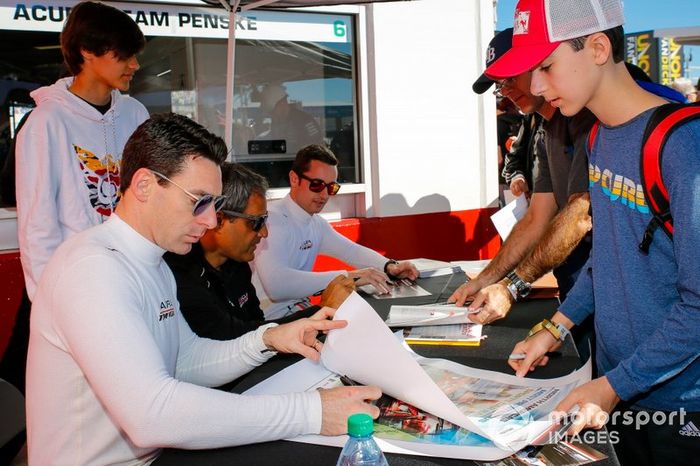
x=386 y=268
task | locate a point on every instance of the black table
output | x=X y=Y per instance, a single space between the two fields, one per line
x=492 y=355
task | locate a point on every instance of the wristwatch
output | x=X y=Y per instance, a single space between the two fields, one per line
x=518 y=287
x=558 y=331
x=386 y=268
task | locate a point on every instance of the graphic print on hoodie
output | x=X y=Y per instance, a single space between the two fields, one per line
x=101 y=178
x=68 y=169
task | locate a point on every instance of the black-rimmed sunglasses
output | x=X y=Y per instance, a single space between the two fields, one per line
x=317 y=185
x=256 y=221
x=200 y=202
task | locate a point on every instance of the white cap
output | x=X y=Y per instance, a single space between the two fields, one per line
x=569 y=19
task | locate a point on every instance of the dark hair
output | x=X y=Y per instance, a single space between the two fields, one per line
x=240 y=183
x=615 y=35
x=99 y=28
x=164 y=142
x=313 y=152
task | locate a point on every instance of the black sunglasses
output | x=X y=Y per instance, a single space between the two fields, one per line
x=317 y=185
x=200 y=202
x=256 y=221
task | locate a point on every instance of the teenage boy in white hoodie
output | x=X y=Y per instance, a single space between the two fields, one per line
x=69 y=151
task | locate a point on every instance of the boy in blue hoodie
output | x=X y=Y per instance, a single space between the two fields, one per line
x=647 y=306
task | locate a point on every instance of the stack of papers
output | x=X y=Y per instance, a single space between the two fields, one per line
x=434 y=268
x=452 y=335
x=437 y=314
x=472 y=268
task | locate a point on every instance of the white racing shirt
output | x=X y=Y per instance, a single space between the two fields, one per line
x=283 y=261
x=115 y=373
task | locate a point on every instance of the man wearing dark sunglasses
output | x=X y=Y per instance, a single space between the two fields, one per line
x=214 y=288
x=282 y=271
x=110 y=356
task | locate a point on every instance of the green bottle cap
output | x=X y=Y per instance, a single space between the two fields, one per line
x=360 y=425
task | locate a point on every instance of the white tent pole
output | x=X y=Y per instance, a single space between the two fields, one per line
x=230 y=73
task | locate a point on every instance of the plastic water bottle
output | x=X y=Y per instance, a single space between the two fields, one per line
x=361 y=449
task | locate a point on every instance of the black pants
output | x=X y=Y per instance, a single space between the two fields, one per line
x=14 y=362
x=671 y=443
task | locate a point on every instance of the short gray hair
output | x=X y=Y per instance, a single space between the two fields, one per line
x=239 y=183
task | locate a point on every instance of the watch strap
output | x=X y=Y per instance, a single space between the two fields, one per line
x=512 y=290
x=558 y=331
x=386 y=268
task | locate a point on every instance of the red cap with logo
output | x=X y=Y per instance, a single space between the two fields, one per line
x=539 y=26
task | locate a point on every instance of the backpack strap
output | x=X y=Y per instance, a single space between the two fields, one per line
x=662 y=123
x=592 y=135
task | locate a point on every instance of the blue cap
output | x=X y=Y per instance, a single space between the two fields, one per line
x=498 y=46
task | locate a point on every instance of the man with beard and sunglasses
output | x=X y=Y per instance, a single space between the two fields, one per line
x=282 y=269
x=214 y=288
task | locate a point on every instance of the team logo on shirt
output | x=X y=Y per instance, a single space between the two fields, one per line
x=242 y=300
x=167 y=310
x=102 y=178
x=306 y=245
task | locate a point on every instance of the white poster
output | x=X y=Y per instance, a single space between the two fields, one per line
x=476 y=414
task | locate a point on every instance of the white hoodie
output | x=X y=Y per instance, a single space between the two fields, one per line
x=68 y=169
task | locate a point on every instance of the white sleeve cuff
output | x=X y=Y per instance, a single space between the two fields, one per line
x=315 y=412
x=258 y=350
x=519 y=176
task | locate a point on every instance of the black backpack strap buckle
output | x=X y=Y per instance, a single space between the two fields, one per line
x=654 y=223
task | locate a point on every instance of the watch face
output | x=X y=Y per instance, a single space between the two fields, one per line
x=522 y=287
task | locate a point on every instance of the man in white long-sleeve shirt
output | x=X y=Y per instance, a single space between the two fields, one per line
x=114 y=371
x=282 y=270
